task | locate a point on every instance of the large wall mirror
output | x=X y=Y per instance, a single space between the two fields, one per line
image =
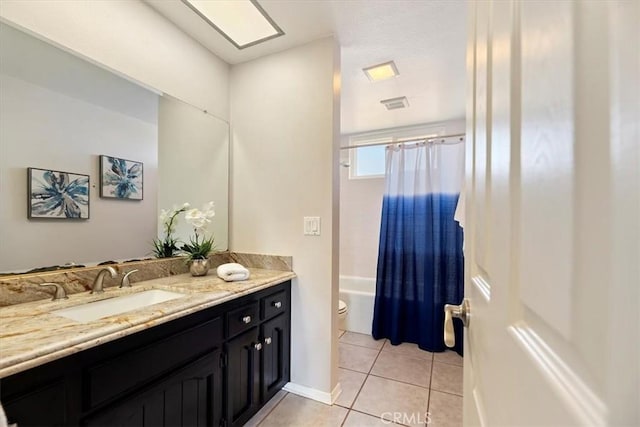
x=59 y=112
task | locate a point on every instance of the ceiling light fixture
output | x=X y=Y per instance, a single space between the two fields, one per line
x=243 y=22
x=395 y=103
x=381 y=71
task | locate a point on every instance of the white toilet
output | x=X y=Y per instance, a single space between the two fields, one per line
x=342 y=315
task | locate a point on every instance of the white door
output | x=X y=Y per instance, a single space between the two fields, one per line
x=552 y=221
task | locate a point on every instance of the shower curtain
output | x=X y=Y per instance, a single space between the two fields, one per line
x=420 y=263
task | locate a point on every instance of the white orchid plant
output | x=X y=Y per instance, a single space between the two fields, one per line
x=168 y=245
x=200 y=245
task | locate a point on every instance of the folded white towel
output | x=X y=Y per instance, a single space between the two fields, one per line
x=232 y=272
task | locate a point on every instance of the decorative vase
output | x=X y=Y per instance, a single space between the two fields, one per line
x=199 y=267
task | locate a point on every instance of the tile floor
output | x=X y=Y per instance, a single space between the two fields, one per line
x=381 y=383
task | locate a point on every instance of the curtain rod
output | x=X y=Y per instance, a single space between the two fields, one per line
x=435 y=140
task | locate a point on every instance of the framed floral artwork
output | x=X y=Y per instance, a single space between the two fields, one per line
x=57 y=195
x=120 y=178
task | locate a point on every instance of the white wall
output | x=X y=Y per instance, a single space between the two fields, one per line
x=131 y=38
x=60 y=112
x=361 y=208
x=193 y=155
x=283 y=162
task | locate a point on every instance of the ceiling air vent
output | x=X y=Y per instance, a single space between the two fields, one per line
x=395 y=103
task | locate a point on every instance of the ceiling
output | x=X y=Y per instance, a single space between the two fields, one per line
x=425 y=38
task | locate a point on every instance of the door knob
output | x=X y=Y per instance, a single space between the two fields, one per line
x=258 y=346
x=461 y=312
x=267 y=340
x=246 y=319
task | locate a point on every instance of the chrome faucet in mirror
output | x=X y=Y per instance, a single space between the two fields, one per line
x=98 y=285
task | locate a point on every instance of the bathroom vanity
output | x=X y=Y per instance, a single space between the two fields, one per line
x=215 y=363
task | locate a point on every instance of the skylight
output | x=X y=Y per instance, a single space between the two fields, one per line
x=243 y=22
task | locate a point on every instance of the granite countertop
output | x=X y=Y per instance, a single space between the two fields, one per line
x=30 y=335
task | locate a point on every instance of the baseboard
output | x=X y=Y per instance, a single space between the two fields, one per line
x=312 y=393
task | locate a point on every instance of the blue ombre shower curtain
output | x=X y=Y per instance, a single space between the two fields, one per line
x=420 y=262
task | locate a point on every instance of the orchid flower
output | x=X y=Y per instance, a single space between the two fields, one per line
x=199 y=220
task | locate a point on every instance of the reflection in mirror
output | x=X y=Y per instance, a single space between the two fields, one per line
x=60 y=112
x=193 y=156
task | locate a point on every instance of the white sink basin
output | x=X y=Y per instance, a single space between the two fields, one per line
x=108 y=307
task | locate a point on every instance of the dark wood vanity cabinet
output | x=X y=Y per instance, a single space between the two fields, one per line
x=23 y=406
x=258 y=355
x=216 y=367
x=275 y=356
x=243 y=377
x=191 y=396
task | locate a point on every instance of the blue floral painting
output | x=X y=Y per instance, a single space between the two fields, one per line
x=120 y=178
x=55 y=194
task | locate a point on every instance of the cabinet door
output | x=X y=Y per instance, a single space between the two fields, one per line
x=243 y=377
x=126 y=371
x=191 y=396
x=50 y=401
x=275 y=356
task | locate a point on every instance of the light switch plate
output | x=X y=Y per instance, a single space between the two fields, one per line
x=311 y=225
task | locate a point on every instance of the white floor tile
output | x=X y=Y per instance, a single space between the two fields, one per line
x=295 y=410
x=351 y=382
x=362 y=340
x=266 y=409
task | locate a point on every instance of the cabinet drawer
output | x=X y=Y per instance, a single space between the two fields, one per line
x=131 y=370
x=242 y=318
x=274 y=305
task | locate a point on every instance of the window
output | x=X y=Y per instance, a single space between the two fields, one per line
x=369 y=161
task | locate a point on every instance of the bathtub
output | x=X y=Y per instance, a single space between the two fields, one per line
x=358 y=293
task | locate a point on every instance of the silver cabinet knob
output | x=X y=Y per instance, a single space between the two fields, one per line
x=277 y=304
x=257 y=346
x=267 y=340
x=246 y=319
x=461 y=312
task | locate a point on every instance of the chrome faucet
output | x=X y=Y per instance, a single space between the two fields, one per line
x=59 y=292
x=97 y=287
x=125 y=283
